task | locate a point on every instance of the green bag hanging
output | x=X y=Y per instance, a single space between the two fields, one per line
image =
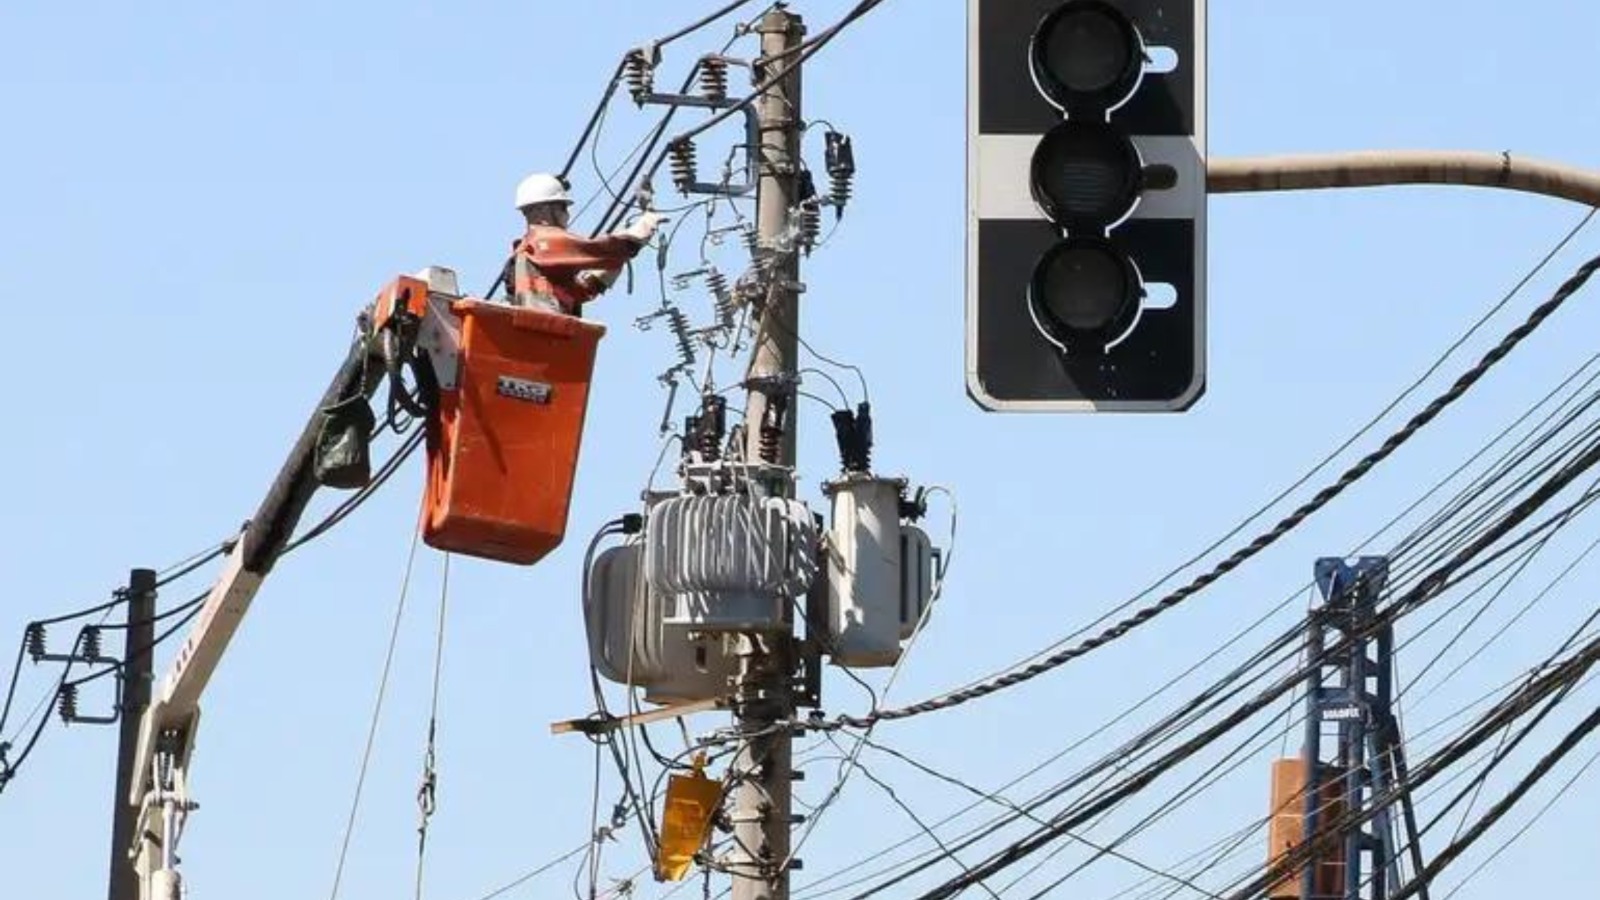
x=343 y=458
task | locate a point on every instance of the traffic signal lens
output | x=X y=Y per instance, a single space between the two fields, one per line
x=1085 y=288
x=1086 y=175
x=1087 y=53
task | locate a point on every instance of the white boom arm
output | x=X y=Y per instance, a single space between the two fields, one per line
x=167 y=729
x=166 y=733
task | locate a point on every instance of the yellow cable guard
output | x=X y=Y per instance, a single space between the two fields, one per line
x=686 y=820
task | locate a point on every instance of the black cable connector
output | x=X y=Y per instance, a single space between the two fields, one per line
x=632 y=523
x=853 y=433
x=913 y=508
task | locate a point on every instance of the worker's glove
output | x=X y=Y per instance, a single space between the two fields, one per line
x=644 y=228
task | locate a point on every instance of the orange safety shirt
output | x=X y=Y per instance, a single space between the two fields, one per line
x=550 y=259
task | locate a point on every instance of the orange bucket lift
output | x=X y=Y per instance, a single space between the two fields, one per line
x=504 y=436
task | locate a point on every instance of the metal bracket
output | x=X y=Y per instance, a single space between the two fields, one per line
x=1338 y=579
x=752 y=129
x=439 y=336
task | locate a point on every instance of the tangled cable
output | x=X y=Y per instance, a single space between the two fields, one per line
x=1395 y=441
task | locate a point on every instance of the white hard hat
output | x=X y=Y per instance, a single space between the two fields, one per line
x=541 y=187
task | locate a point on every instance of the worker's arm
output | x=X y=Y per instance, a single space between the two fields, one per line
x=556 y=250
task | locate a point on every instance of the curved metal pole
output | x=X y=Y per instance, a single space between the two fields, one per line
x=1395 y=167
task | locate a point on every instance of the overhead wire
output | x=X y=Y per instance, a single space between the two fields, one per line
x=1506 y=742
x=34 y=718
x=1499 y=633
x=1111 y=760
x=535 y=872
x=9 y=766
x=189 y=609
x=1425 y=590
x=1150 y=697
x=1000 y=800
x=426 y=791
x=1556 y=797
x=616 y=78
x=379 y=478
x=1417 y=383
x=1229 y=844
x=1398 y=439
x=180 y=570
x=1230 y=762
x=1556 y=678
x=1436 y=486
x=619 y=208
x=377 y=711
x=805 y=50
x=1443 y=859
x=904 y=807
x=702 y=22
x=1257 y=824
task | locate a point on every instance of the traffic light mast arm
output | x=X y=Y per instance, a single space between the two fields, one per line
x=1379 y=168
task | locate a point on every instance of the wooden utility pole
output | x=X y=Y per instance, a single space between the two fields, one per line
x=137 y=673
x=764 y=698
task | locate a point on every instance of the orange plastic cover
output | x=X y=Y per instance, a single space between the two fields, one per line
x=1287 y=831
x=503 y=453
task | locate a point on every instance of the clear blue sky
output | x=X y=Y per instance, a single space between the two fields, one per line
x=196 y=198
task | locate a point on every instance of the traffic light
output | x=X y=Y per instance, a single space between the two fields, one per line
x=1086 y=205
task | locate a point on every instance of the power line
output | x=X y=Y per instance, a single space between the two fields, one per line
x=1556 y=680
x=610 y=89
x=1350 y=441
x=1559 y=794
x=1428 y=588
x=377 y=710
x=1122 y=750
x=806 y=49
x=1011 y=805
x=1559 y=518
x=1462 y=384
x=1447 y=856
x=9 y=767
x=905 y=808
x=520 y=880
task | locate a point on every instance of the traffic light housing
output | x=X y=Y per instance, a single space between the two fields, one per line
x=1086 y=205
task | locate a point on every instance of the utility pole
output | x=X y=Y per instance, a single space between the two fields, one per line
x=137 y=673
x=764 y=696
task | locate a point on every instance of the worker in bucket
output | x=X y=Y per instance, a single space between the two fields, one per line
x=556 y=270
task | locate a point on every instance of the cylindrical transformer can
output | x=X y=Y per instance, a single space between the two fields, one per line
x=864 y=571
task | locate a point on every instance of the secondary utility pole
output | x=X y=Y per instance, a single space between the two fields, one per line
x=137 y=673
x=764 y=697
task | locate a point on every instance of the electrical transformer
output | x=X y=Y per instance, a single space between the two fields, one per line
x=730 y=552
x=630 y=643
x=880 y=571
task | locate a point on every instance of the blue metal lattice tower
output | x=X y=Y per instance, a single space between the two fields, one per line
x=1350 y=684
